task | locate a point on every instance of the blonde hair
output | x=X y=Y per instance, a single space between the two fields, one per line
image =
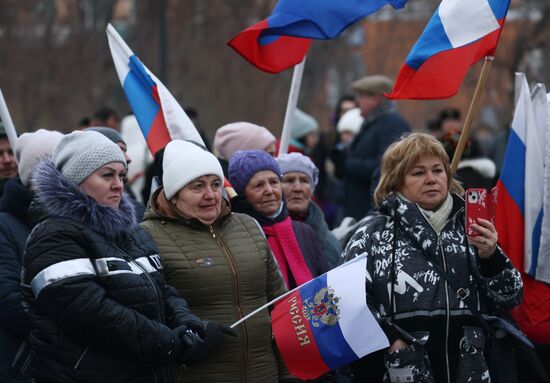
x=402 y=155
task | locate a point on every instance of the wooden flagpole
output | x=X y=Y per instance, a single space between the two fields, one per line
x=474 y=107
x=291 y=106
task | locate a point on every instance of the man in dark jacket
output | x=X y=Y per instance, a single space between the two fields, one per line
x=14 y=230
x=382 y=126
x=8 y=166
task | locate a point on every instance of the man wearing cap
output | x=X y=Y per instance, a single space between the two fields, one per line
x=8 y=165
x=382 y=126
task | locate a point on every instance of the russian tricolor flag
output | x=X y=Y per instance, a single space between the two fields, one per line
x=326 y=322
x=159 y=115
x=283 y=39
x=459 y=34
x=520 y=205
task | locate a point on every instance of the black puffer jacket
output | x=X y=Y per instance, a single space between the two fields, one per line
x=423 y=303
x=14 y=230
x=98 y=305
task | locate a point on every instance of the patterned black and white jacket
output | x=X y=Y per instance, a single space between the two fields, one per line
x=401 y=247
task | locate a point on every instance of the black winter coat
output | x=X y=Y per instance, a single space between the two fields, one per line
x=14 y=230
x=378 y=131
x=93 y=281
x=423 y=303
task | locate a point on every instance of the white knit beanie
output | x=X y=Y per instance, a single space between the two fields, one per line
x=350 y=121
x=80 y=153
x=185 y=161
x=30 y=148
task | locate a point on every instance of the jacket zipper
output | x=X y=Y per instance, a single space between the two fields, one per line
x=447 y=302
x=447 y=310
x=81 y=357
x=236 y=295
x=149 y=279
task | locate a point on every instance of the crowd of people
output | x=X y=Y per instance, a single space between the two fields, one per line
x=100 y=282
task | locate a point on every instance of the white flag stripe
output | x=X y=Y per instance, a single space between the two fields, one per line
x=357 y=323
x=120 y=51
x=466 y=21
x=179 y=125
x=543 y=266
x=534 y=175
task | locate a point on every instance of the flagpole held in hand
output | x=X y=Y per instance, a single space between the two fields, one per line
x=291 y=106
x=8 y=123
x=282 y=296
x=474 y=107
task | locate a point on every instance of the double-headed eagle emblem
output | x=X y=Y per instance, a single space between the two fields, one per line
x=322 y=308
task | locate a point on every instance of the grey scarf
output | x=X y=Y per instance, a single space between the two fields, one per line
x=439 y=217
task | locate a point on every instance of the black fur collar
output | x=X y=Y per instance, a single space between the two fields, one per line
x=59 y=197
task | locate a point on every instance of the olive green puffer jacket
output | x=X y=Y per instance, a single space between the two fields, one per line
x=224 y=271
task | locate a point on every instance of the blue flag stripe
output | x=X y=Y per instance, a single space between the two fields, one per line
x=330 y=340
x=513 y=170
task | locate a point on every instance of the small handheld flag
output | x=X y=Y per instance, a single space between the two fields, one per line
x=326 y=323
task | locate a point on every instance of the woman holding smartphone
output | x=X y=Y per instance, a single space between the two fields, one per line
x=424 y=273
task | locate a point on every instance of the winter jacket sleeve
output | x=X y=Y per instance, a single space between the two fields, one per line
x=12 y=316
x=67 y=291
x=361 y=243
x=500 y=281
x=177 y=310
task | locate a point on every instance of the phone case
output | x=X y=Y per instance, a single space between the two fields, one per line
x=480 y=203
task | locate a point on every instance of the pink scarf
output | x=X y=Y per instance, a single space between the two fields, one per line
x=283 y=243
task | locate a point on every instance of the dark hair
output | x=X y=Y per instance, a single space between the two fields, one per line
x=157 y=165
x=192 y=113
x=104 y=113
x=449 y=114
x=84 y=122
x=338 y=111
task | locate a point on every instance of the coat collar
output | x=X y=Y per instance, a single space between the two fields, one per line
x=412 y=221
x=56 y=196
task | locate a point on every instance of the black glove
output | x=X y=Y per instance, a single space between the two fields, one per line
x=215 y=333
x=175 y=351
x=198 y=327
x=194 y=348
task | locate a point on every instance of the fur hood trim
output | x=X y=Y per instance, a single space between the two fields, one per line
x=59 y=197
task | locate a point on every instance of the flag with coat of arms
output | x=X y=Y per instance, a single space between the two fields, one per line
x=326 y=323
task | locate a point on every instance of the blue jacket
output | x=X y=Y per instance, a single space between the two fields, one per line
x=14 y=230
x=379 y=130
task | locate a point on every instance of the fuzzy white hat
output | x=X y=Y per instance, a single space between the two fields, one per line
x=30 y=148
x=350 y=121
x=185 y=161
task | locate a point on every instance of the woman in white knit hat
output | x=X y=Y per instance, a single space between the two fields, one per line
x=99 y=308
x=219 y=260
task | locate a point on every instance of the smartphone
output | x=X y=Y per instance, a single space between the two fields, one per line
x=480 y=203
